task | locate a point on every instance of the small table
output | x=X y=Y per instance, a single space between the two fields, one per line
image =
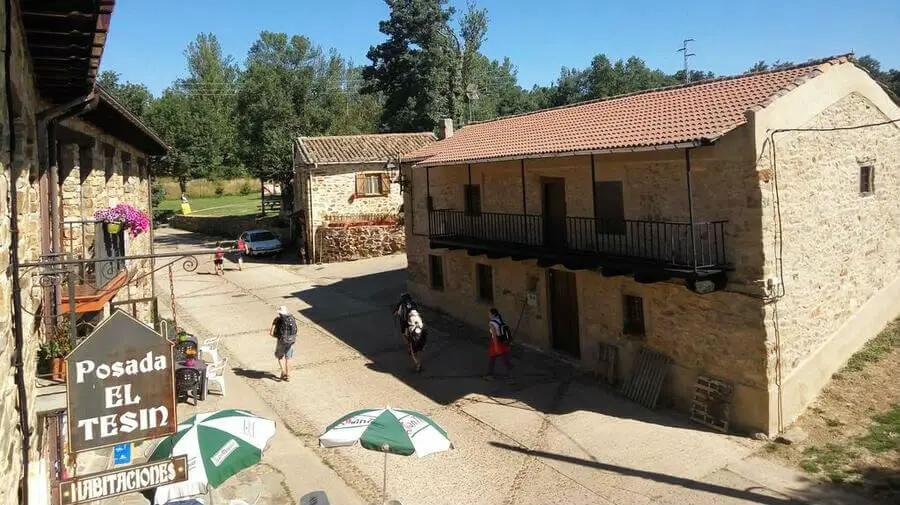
x=200 y=365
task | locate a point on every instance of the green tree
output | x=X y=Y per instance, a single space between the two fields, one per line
x=414 y=68
x=171 y=117
x=210 y=88
x=135 y=97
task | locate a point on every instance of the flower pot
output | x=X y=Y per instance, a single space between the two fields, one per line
x=113 y=228
x=63 y=369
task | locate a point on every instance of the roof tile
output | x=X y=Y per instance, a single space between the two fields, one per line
x=689 y=113
x=360 y=148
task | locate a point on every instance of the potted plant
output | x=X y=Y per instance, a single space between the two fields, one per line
x=53 y=353
x=123 y=216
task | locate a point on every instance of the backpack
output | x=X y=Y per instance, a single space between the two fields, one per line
x=288 y=330
x=504 y=335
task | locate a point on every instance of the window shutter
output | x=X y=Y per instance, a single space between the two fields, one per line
x=360 y=184
x=385 y=185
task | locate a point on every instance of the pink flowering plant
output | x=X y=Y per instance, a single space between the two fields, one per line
x=129 y=217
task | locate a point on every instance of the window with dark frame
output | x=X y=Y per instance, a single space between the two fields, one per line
x=472 y=194
x=866 y=180
x=484 y=277
x=609 y=207
x=633 y=315
x=436 y=271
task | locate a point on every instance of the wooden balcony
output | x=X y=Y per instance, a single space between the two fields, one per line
x=91 y=298
x=651 y=248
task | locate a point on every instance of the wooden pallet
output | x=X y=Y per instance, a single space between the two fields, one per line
x=607 y=355
x=647 y=376
x=712 y=403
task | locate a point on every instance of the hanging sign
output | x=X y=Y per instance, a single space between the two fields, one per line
x=97 y=486
x=120 y=384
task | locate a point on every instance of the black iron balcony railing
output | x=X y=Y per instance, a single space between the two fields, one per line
x=665 y=243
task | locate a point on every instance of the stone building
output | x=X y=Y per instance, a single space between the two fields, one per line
x=745 y=228
x=68 y=150
x=347 y=179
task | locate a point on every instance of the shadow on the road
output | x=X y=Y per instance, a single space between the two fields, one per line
x=816 y=493
x=254 y=374
x=455 y=357
x=747 y=495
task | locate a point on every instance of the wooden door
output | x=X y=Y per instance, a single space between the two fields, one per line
x=554 y=205
x=564 y=331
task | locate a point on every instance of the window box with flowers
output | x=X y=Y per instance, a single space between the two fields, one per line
x=123 y=216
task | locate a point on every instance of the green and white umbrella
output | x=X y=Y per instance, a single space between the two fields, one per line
x=394 y=431
x=217 y=445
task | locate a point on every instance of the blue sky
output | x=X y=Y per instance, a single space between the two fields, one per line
x=148 y=37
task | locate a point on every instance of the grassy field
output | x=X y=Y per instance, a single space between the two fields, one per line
x=217 y=206
x=854 y=425
x=204 y=188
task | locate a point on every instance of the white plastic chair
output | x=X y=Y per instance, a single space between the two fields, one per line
x=210 y=348
x=216 y=374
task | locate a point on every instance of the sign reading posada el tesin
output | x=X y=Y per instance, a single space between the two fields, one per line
x=121 y=385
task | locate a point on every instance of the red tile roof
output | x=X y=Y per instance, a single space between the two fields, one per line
x=359 y=148
x=684 y=114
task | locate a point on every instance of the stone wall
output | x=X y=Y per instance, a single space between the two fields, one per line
x=230 y=227
x=720 y=335
x=358 y=242
x=26 y=104
x=838 y=248
x=100 y=176
x=331 y=191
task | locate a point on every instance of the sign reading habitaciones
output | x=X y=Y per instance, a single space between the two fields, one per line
x=120 y=384
x=98 y=486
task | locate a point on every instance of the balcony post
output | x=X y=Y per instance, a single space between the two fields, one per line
x=73 y=317
x=594 y=202
x=524 y=223
x=428 y=209
x=690 y=195
x=471 y=205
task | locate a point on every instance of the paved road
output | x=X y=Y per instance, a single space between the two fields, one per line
x=551 y=437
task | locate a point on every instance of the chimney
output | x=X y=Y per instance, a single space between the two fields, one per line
x=446 y=128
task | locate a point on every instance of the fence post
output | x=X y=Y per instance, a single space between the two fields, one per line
x=73 y=322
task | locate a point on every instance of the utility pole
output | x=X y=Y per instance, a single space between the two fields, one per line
x=684 y=49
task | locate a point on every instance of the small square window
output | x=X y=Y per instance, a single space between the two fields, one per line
x=372 y=184
x=633 y=315
x=484 y=282
x=436 y=271
x=866 y=180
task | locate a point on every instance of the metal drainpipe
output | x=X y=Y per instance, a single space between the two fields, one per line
x=690 y=190
x=19 y=336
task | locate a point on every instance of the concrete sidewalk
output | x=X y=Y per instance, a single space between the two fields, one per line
x=551 y=437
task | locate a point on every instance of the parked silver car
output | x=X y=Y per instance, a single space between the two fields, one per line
x=261 y=242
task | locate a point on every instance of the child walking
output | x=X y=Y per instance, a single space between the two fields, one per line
x=499 y=344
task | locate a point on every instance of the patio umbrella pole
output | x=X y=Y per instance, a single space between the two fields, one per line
x=384 y=483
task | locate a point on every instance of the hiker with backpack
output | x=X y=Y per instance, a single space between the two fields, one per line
x=412 y=327
x=501 y=337
x=284 y=329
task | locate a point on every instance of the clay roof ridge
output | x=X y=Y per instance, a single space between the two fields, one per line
x=818 y=66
